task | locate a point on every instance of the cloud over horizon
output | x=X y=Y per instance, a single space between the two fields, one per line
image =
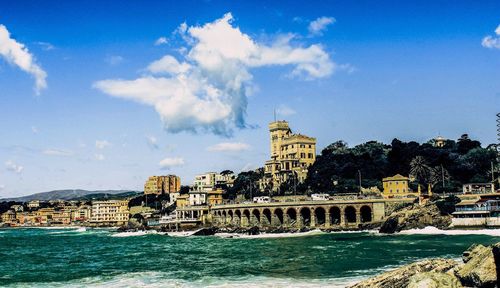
x=17 y=54
x=13 y=167
x=57 y=152
x=229 y=147
x=206 y=89
x=168 y=163
x=492 y=42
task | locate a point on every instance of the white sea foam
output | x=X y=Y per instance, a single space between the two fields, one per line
x=435 y=231
x=135 y=233
x=162 y=279
x=181 y=234
x=272 y=235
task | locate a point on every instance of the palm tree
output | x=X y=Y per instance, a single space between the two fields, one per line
x=420 y=170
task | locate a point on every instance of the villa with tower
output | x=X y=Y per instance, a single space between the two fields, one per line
x=291 y=156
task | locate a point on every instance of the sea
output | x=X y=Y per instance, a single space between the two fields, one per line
x=83 y=257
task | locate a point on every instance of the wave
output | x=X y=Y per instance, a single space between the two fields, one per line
x=272 y=235
x=164 y=279
x=429 y=230
x=136 y=233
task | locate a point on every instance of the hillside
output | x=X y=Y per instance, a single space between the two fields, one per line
x=72 y=194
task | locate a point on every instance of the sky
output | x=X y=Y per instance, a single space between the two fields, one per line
x=102 y=94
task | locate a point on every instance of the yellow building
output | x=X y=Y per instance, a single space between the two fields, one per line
x=110 y=212
x=182 y=200
x=396 y=187
x=214 y=197
x=9 y=217
x=291 y=156
x=162 y=184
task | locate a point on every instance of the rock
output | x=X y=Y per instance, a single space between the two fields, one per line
x=205 y=231
x=434 y=280
x=401 y=277
x=479 y=269
x=416 y=216
x=496 y=256
x=253 y=231
x=390 y=225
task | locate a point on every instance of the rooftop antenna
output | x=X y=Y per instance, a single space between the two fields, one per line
x=274 y=110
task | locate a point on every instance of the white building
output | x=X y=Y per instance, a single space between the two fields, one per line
x=110 y=211
x=478 y=188
x=34 y=204
x=210 y=180
x=198 y=198
x=262 y=199
x=320 y=197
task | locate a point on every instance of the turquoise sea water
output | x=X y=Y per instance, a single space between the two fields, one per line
x=78 y=258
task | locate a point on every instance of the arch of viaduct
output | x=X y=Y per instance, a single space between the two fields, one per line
x=320 y=214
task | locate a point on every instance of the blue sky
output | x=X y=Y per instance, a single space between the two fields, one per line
x=103 y=95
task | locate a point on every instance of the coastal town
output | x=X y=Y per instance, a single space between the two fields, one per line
x=168 y=205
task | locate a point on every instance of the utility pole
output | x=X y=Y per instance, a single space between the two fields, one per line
x=359 y=174
x=442 y=175
x=492 y=177
x=294 y=185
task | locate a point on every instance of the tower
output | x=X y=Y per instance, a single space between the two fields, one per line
x=278 y=131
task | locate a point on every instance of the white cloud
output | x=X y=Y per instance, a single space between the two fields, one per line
x=58 y=152
x=34 y=129
x=46 y=46
x=17 y=54
x=101 y=144
x=13 y=167
x=319 y=25
x=114 y=60
x=99 y=157
x=161 y=41
x=168 y=163
x=168 y=64
x=284 y=110
x=2 y=187
x=229 y=147
x=152 y=142
x=207 y=90
x=492 y=42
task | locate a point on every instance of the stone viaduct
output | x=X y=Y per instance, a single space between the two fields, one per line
x=320 y=214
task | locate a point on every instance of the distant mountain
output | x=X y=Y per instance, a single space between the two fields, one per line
x=75 y=194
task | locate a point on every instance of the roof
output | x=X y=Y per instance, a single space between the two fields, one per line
x=471 y=212
x=467 y=202
x=396 y=177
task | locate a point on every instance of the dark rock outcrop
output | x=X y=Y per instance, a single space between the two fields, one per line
x=416 y=216
x=205 y=231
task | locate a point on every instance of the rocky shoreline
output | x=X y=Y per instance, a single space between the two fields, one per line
x=480 y=267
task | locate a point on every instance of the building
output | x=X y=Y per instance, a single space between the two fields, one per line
x=440 y=141
x=162 y=185
x=291 y=156
x=397 y=187
x=212 y=180
x=17 y=208
x=34 y=204
x=478 y=188
x=9 y=217
x=110 y=212
x=182 y=200
x=82 y=214
x=477 y=213
x=206 y=197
